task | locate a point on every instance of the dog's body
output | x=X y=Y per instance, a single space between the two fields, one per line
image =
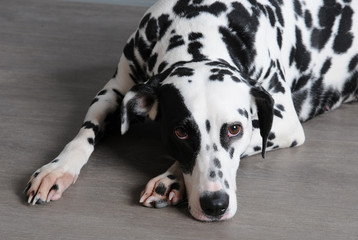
x=225 y=79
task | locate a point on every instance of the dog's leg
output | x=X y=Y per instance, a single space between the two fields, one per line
x=51 y=180
x=166 y=189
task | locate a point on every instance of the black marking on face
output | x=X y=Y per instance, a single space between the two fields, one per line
x=90 y=125
x=94 y=101
x=161 y=189
x=217 y=163
x=172 y=177
x=215 y=147
x=183 y=8
x=55 y=161
x=183 y=72
x=90 y=141
x=277 y=113
x=220 y=174
x=232 y=150
x=175 y=41
x=226 y=184
x=344 y=38
x=225 y=140
x=177 y=115
x=294 y=143
x=302 y=56
x=353 y=63
x=207 y=126
x=243 y=112
x=162 y=65
x=255 y=123
x=218 y=74
x=326 y=66
x=212 y=174
x=327 y=16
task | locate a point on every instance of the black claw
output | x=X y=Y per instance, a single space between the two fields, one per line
x=54 y=187
x=27 y=187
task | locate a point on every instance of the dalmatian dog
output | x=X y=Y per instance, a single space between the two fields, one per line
x=225 y=79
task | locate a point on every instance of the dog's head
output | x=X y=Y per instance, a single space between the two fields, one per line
x=205 y=112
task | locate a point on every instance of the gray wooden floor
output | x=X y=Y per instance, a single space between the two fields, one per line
x=55 y=56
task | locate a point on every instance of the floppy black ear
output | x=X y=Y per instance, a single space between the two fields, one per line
x=264 y=103
x=140 y=101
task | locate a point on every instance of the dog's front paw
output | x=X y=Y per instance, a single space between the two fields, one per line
x=163 y=190
x=48 y=183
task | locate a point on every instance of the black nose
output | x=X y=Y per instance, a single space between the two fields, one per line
x=214 y=204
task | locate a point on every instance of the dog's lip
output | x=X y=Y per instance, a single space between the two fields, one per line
x=199 y=215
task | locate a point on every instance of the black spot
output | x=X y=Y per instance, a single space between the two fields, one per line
x=175 y=186
x=275 y=85
x=353 y=63
x=271 y=136
x=161 y=189
x=104 y=91
x=183 y=8
x=276 y=5
x=195 y=36
x=194 y=50
x=220 y=173
x=217 y=163
x=118 y=93
x=280 y=107
x=215 y=147
x=294 y=143
x=162 y=65
x=144 y=20
x=90 y=141
x=292 y=55
x=344 y=38
x=300 y=83
x=172 y=177
x=255 y=123
x=152 y=61
x=298 y=99
x=277 y=113
x=271 y=16
x=350 y=86
x=302 y=56
x=269 y=144
x=94 y=101
x=279 y=37
x=219 y=74
x=90 y=125
x=212 y=174
x=298 y=8
x=257 y=148
x=175 y=41
x=207 y=125
x=326 y=15
x=226 y=184
x=326 y=66
x=207 y=147
x=308 y=19
x=164 y=23
x=189 y=81
x=151 y=30
x=243 y=112
x=183 y=72
x=55 y=161
x=231 y=152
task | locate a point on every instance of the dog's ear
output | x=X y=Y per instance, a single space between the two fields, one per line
x=264 y=104
x=140 y=101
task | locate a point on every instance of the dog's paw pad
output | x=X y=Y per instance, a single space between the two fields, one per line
x=162 y=191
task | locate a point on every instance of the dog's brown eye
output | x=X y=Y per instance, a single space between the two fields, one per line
x=181 y=133
x=234 y=130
